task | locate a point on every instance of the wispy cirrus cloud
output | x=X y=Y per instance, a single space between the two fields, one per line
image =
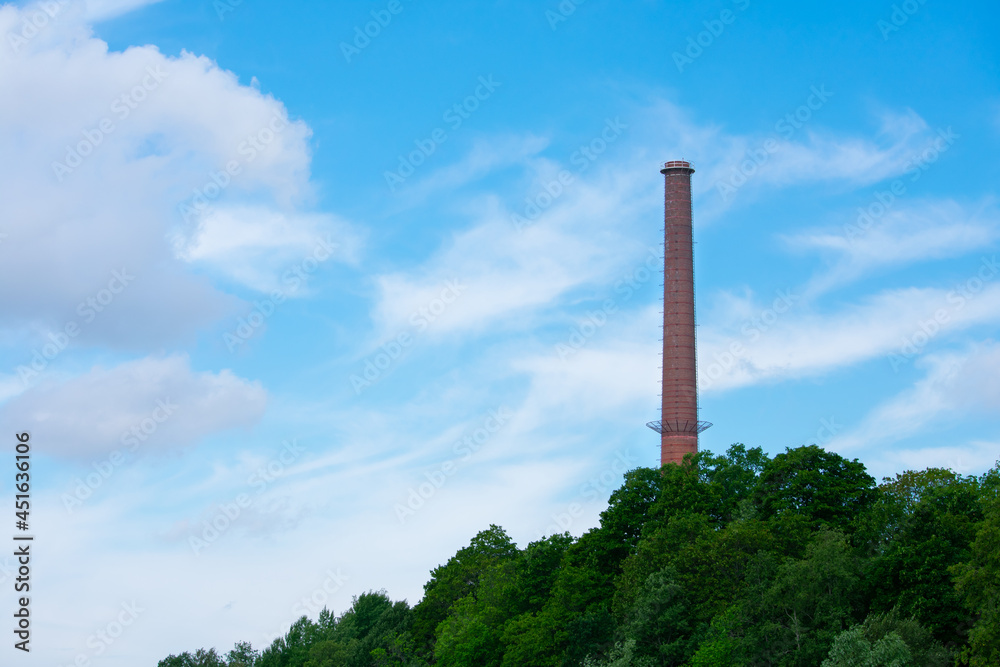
x=486 y=155
x=255 y=246
x=923 y=230
x=956 y=385
x=100 y=10
x=736 y=168
x=804 y=342
x=590 y=228
x=510 y=274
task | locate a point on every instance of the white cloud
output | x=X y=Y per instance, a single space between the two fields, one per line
x=99 y=10
x=110 y=155
x=509 y=275
x=613 y=371
x=261 y=248
x=858 y=161
x=736 y=350
x=591 y=228
x=956 y=385
x=160 y=401
x=970 y=458
x=484 y=157
x=810 y=154
x=923 y=230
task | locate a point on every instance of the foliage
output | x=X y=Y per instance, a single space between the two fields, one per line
x=821 y=486
x=200 y=658
x=914 y=572
x=733 y=559
x=242 y=655
x=457 y=578
x=926 y=651
x=978 y=579
x=851 y=649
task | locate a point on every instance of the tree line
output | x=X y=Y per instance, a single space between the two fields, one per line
x=736 y=559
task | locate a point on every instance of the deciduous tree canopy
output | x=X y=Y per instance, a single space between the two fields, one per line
x=738 y=559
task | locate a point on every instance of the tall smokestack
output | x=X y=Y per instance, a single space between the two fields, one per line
x=678 y=426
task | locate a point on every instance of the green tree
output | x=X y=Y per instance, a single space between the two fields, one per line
x=825 y=488
x=915 y=569
x=711 y=563
x=621 y=655
x=372 y=622
x=242 y=655
x=707 y=484
x=683 y=490
x=628 y=510
x=851 y=649
x=535 y=572
x=978 y=580
x=791 y=611
x=719 y=647
x=720 y=560
x=292 y=650
x=465 y=639
x=534 y=639
x=200 y=658
x=894 y=502
x=473 y=631
x=575 y=620
x=457 y=578
x=660 y=620
x=679 y=543
x=734 y=476
x=880 y=631
x=329 y=652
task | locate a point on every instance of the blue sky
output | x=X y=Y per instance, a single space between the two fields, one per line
x=352 y=298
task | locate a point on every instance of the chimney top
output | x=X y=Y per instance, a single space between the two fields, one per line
x=676 y=164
